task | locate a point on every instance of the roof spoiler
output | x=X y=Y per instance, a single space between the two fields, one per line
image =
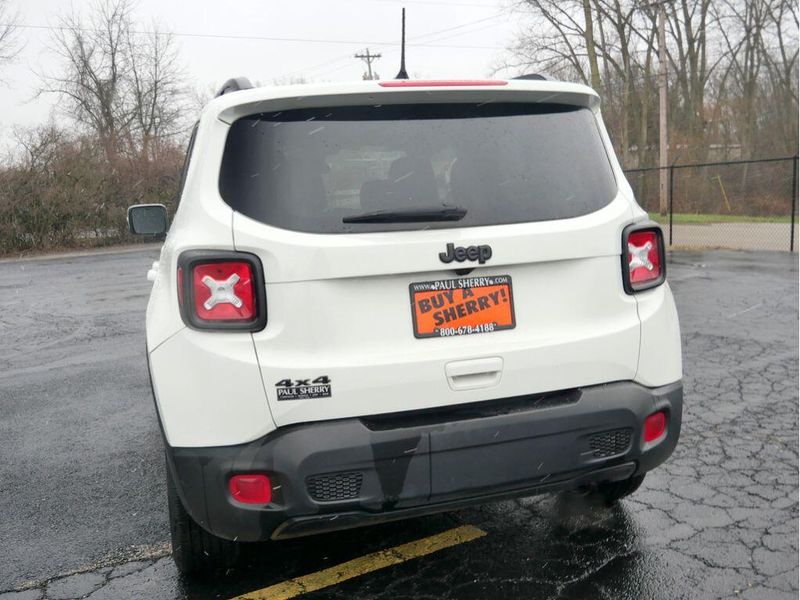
x=234 y=85
x=277 y=98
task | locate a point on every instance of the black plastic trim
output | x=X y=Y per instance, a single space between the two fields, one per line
x=236 y=84
x=534 y=77
x=422 y=468
x=626 y=274
x=187 y=260
x=471 y=410
x=316 y=524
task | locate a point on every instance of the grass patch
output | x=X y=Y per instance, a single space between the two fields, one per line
x=704 y=218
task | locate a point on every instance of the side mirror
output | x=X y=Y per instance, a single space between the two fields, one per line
x=147 y=219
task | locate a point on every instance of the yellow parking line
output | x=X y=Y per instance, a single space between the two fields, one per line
x=365 y=564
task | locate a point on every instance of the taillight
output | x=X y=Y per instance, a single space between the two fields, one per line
x=252 y=488
x=643 y=265
x=221 y=290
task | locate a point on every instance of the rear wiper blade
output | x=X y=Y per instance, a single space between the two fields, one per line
x=410 y=215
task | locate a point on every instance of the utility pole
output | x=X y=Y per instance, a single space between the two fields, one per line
x=590 y=49
x=368 y=58
x=663 y=161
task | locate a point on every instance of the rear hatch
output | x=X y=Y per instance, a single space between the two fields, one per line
x=431 y=251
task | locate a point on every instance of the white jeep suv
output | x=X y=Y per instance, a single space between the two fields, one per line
x=381 y=300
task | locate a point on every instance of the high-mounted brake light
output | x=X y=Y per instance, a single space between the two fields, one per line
x=643 y=258
x=441 y=83
x=221 y=290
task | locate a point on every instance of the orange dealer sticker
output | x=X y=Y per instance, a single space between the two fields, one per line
x=464 y=306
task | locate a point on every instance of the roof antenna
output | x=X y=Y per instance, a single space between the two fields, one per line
x=402 y=73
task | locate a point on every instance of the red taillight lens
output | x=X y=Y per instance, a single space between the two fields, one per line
x=251 y=488
x=224 y=291
x=654 y=426
x=644 y=252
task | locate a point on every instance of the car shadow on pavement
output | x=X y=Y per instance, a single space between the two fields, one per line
x=263 y=564
x=535 y=558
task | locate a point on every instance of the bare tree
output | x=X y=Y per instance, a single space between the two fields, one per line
x=745 y=60
x=780 y=56
x=732 y=77
x=122 y=85
x=198 y=97
x=37 y=146
x=608 y=43
x=556 y=42
x=10 y=45
x=688 y=56
x=154 y=88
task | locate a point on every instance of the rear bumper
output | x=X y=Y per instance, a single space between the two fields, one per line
x=335 y=475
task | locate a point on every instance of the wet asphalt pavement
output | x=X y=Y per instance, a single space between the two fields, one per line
x=81 y=475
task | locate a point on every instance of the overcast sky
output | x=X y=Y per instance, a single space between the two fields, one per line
x=447 y=38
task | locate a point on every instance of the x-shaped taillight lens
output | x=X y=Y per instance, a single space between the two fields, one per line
x=223 y=291
x=645 y=259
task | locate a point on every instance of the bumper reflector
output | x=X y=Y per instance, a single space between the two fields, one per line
x=251 y=488
x=654 y=426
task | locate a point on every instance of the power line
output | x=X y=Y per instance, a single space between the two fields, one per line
x=460 y=33
x=454 y=27
x=260 y=38
x=394 y=51
x=436 y=35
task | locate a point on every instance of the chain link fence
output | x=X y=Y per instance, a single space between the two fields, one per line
x=742 y=205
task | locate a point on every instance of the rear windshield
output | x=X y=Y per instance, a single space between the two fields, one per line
x=316 y=169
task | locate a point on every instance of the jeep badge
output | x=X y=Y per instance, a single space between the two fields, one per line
x=460 y=254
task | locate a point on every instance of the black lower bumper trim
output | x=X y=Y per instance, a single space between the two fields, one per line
x=339 y=474
x=303 y=526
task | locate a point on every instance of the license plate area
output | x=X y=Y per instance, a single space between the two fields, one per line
x=464 y=306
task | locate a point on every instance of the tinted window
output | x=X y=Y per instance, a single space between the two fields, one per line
x=308 y=169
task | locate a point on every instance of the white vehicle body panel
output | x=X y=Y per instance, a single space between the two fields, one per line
x=660 y=346
x=363 y=339
x=209 y=391
x=338 y=304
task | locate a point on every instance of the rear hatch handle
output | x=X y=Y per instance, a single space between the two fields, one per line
x=474 y=374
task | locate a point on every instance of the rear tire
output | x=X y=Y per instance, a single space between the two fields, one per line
x=610 y=492
x=194 y=550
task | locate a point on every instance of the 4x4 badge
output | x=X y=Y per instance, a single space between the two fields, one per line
x=303 y=389
x=480 y=253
